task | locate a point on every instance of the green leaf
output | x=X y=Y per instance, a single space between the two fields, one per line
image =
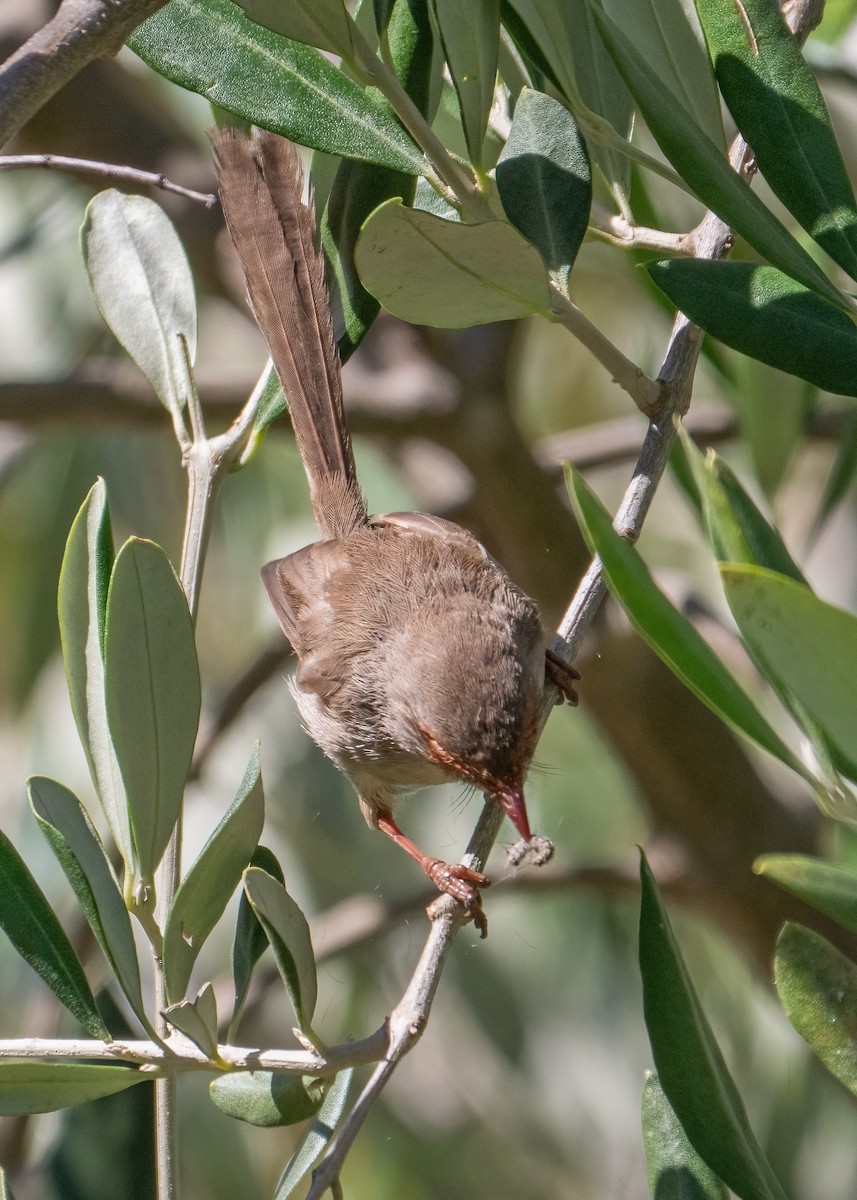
x=829 y=888
x=153 y=696
x=250 y=940
x=321 y=23
x=272 y=404
x=740 y=533
x=414 y=53
x=810 y=646
x=142 y=284
x=766 y=314
x=671 y=635
x=66 y=825
x=667 y=36
x=704 y=168
x=319 y=1134
x=208 y=885
x=779 y=108
x=82 y=604
x=544 y=181
x=817 y=987
x=569 y=50
x=691 y=1069
x=31 y=926
x=674 y=1169
x=358 y=189
x=471 y=37
x=737 y=530
x=267 y=1099
x=442 y=273
x=209 y=47
x=32 y=1087
x=197 y=1019
x=287 y=930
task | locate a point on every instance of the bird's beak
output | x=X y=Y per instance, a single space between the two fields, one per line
x=513 y=804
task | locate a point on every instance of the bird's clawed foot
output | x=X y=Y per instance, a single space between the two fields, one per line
x=538 y=849
x=562 y=676
x=463 y=885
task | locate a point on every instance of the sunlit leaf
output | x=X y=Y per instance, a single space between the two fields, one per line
x=779 y=108
x=817 y=986
x=197 y=1019
x=809 y=645
x=764 y=313
x=675 y=50
x=740 y=533
x=287 y=930
x=34 y=1087
x=690 y=1067
x=82 y=605
x=74 y=841
x=210 y=47
x=142 y=284
x=706 y=170
x=31 y=926
x=471 y=33
x=250 y=940
x=671 y=635
x=443 y=273
x=320 y=1132
x=675 y=1171
x=737 y=530
x=153 y=694
x=321 y=23
x=206 y=888
x=829 y=888
x=266 y=1098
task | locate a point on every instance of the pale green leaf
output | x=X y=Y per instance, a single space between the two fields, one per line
x=318 y=1136
x=809 y=645
x=267 y=1099
x=675 y=1171
x=82 y=605
x=691 y=1069
x=288 y=932
x=197 y=1019
x=74 y=841
x=471 y=35
x=34 y=1087
x=153 y=692
x=206 y=888
x=321 y=23
x=817 y=986
x=142 y=284
x=670 y=634
x=443 y=273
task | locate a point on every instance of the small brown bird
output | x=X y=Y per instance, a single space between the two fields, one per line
x=419 y=661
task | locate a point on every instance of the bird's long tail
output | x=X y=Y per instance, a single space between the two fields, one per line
x=261 y=187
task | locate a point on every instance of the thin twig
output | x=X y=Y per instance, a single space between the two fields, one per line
x=179 y=1054
x=80 y=31
x=645 y=392
x=85 y=166
x=618 y=231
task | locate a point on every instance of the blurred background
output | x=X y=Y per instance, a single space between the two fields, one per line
x=527 y=1082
